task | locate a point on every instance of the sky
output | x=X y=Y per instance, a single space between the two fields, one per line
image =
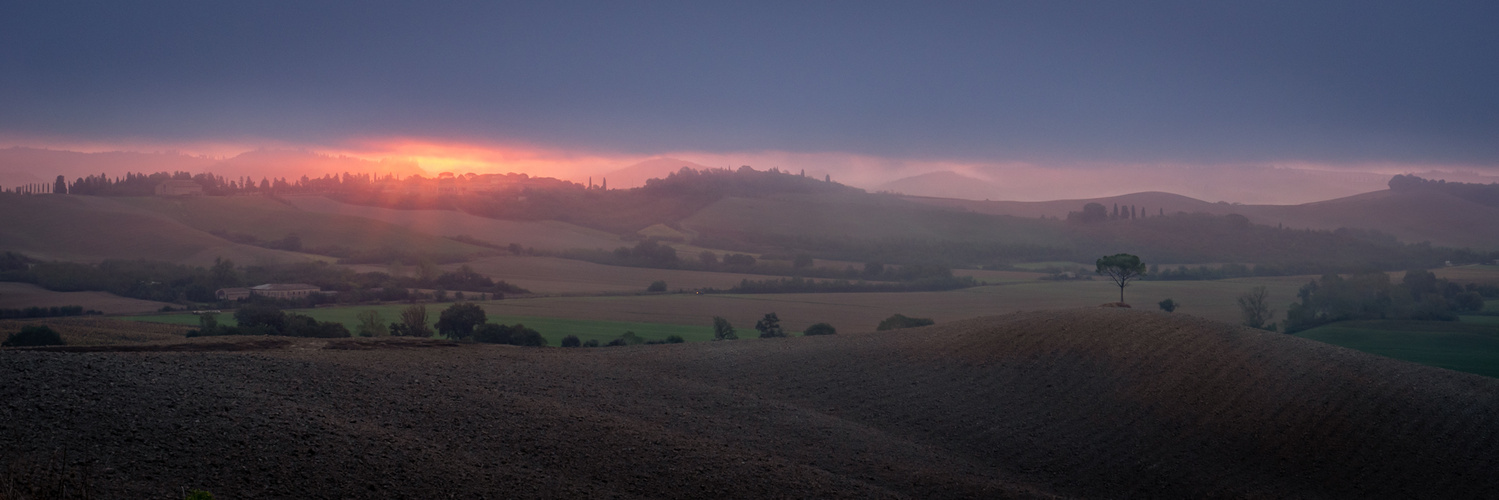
x=868 y=91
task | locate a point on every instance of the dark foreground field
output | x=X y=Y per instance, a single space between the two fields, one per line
x=1081 y=403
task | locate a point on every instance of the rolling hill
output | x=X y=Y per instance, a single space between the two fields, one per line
x=268 y=219
x=1076 y=403
x=1411 y=216
x=552 y=235
x=89 y=229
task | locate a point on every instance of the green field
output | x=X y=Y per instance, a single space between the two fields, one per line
x=1470 y=345
x=552 y=328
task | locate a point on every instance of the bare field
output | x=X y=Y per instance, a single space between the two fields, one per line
x=1483 y=275
x=552 y=235
x=22 y=295
x=1214 y=300
x=1082 y=403
x=101 y=331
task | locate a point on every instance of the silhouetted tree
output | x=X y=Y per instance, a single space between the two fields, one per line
x=1255 y=307
x=254 y=315
x=722 y=330
x=770 y=326
x=1122 y=268
x=571 y=341
x=414 y=322
x=60 y=187
x=819 y=329
x=457 y=322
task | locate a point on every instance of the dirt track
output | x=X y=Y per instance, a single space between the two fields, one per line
x=1084 y=403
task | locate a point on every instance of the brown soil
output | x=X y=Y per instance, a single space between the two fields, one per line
x=1079 y=403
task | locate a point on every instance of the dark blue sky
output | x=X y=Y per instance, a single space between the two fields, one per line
x=1207 y=82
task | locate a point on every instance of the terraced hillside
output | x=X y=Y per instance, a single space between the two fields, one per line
x=1075 y=403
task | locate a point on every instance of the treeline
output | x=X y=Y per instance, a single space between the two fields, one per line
x=177 y=283
x=1483 y=194
x=652 y=254
x=142 y=184
x=265 y=319
x=620 y=211
x=1420 y=295
x=45 y=312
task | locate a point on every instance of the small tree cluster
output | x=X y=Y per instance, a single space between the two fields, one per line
x=516 y=334
x=819 y=329
x=897 y=321
x=35 y=335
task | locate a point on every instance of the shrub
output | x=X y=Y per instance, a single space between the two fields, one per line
x=901 y=321
x=675 y=339
x=35 y=335
x=820 y=329
x=616 y=343
x=571 y=341
x=656 y=286
x=371 y=324
x=1168 y=305
x=591 y=343
x=198 y=495
x=630 y=338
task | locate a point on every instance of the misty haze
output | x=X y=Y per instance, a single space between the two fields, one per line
x=755 y=250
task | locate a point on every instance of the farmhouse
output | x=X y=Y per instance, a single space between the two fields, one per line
x=179 y=188
x=274 y=290
x=284 y=291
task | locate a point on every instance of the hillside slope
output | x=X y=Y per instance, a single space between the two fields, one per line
x=1412 y=216
x=1078 y=403
x=267 y=219
x=553 y=235
x=88 y=229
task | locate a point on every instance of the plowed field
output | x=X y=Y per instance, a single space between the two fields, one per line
x=1076 y=403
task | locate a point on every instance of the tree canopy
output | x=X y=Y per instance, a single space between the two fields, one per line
x=1122 y=268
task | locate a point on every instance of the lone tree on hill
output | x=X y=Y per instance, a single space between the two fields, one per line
x=1122 y=268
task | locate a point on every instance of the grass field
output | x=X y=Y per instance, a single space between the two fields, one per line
x=552 y=328
x=1471 y=345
